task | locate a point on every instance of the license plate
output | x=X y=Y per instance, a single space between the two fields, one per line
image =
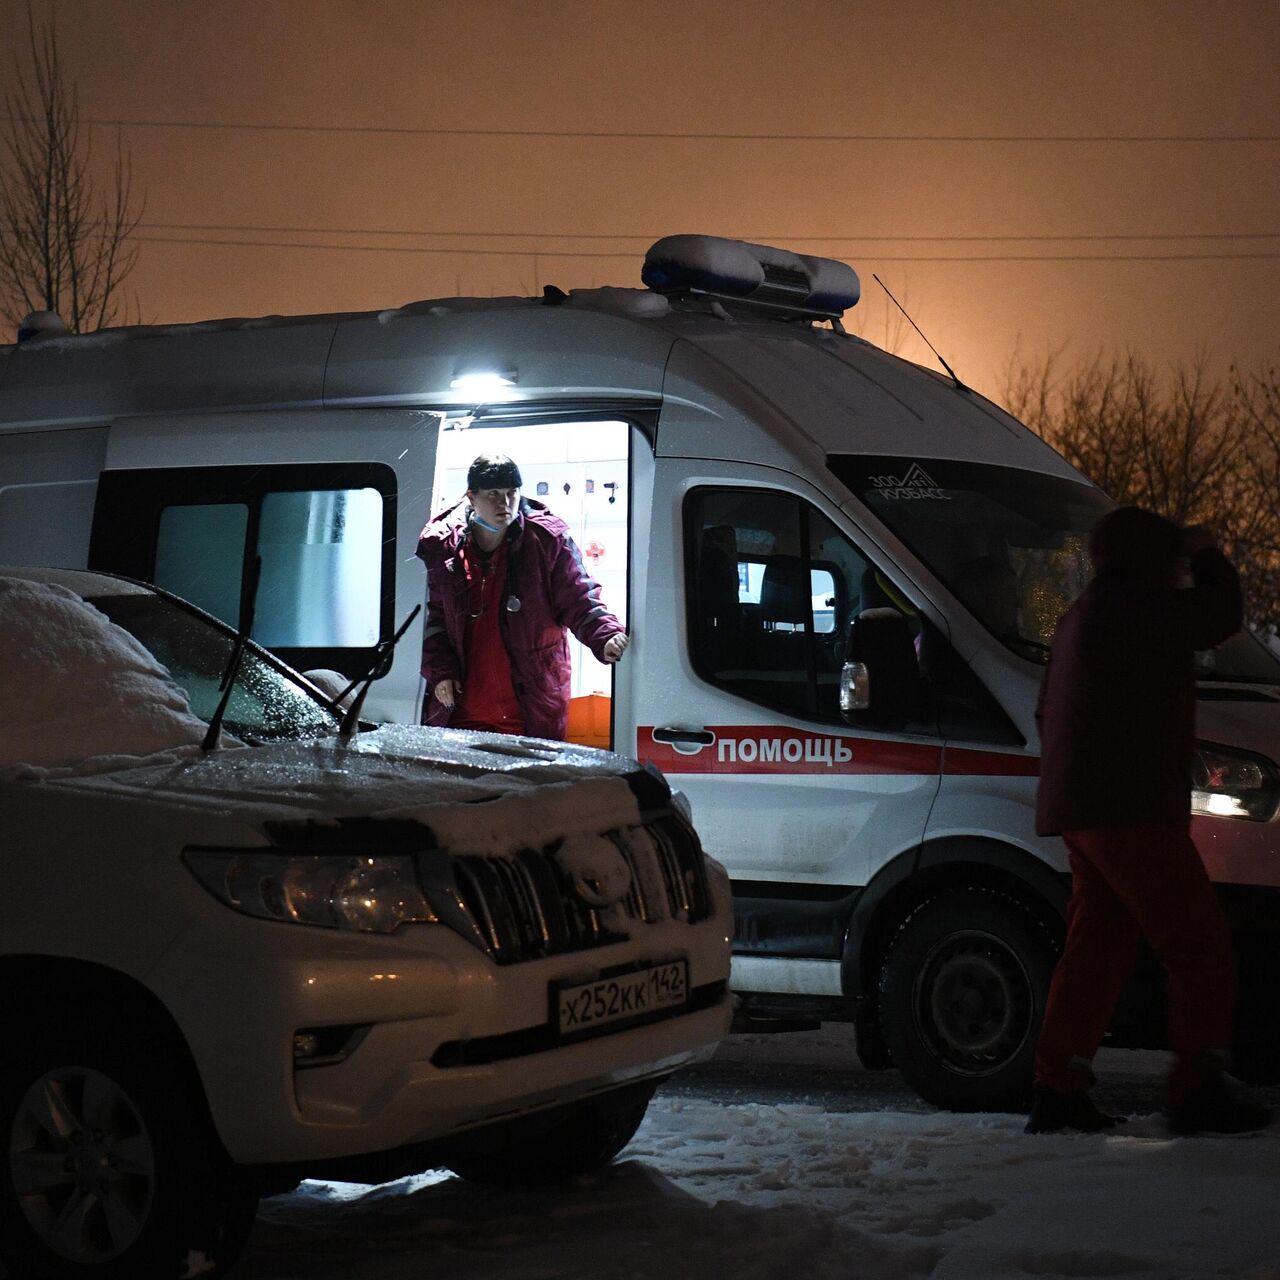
x=626 y=995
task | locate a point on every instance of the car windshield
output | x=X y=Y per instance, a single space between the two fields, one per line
x=1012 y=545
x=266 y=703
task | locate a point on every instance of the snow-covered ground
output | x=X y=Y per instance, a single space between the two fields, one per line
x=781 y=1158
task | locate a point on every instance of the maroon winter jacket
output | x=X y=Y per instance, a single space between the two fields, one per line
x=555 y=591
x=1117 y=707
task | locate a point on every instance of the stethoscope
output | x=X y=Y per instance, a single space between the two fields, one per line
x=513 y=600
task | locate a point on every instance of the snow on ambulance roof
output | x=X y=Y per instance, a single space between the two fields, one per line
x=74 y=687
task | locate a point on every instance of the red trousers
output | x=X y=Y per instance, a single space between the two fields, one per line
x=1144 y=880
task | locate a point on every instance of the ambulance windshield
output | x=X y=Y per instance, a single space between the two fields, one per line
x=1012 y=545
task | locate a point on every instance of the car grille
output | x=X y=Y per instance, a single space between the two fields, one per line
x=524 y=907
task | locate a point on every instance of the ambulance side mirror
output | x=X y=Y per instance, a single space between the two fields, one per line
x=880 y=680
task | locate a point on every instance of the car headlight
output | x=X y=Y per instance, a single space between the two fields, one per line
x=371 y=894
x=1226 y=783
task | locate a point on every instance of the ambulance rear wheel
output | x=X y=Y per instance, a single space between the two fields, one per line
x=962 y=995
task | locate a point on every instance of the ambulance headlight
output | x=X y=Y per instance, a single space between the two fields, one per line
x=1226 y=783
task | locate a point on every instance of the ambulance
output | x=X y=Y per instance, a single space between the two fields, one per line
x=841 y=573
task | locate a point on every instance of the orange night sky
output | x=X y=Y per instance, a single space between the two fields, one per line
x=1025 y=176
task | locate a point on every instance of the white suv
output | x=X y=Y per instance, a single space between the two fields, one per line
x=303 y=951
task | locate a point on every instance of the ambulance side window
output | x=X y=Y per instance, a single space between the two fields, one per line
x=772 y=585
x=325 y=533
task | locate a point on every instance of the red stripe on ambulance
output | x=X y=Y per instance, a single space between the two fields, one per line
x=771 y=749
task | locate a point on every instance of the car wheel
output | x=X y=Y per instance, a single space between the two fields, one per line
x=556 y=1145
x=962 y=996
x=109 y=1170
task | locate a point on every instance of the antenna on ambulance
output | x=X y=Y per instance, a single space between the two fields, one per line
x=959 y=385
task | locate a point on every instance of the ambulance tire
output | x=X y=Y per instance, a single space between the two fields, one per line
x=873 y=1052
x=962 y=995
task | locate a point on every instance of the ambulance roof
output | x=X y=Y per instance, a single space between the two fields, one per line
x=746 y=315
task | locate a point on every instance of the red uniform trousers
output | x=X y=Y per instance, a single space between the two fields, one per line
x=1146 y=880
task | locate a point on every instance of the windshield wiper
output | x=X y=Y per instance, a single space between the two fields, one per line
x=1012 y=637
x=378 y=668
x=248 y=603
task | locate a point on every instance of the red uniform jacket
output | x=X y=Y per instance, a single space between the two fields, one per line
x=555 y=592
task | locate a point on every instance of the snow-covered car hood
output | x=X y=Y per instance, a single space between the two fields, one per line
x=476 y=791
x=1252 y=725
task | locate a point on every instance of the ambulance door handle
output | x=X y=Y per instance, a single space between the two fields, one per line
x=685 y=737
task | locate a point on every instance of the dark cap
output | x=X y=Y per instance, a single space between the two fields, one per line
x=1136 y=543
x=493 y=471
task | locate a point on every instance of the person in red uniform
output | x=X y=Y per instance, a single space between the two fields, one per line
x=1117 y=728
x=504 y=583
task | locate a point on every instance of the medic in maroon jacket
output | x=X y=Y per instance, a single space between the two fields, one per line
x=504 y=583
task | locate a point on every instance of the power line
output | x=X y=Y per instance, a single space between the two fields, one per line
x=655 y=135
x=589 y=253
x=651 y=236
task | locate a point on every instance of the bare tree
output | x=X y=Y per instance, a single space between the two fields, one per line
x=64 y=240
x=1192 y=447
x=1257 y=489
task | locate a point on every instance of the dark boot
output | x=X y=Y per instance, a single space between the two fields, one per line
x=1217 y=1108
x=1052 y=1112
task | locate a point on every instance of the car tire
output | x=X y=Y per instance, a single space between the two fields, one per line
x=110 y=1169
x=557 y=1145
x=962 y=996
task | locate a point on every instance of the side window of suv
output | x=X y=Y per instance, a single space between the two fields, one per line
x=772 y=587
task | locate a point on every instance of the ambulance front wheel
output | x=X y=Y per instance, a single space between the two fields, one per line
x=962 y=995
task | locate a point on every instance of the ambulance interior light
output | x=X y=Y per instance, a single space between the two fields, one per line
x=482 y=381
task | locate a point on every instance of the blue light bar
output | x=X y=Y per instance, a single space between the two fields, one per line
x=755 y=273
